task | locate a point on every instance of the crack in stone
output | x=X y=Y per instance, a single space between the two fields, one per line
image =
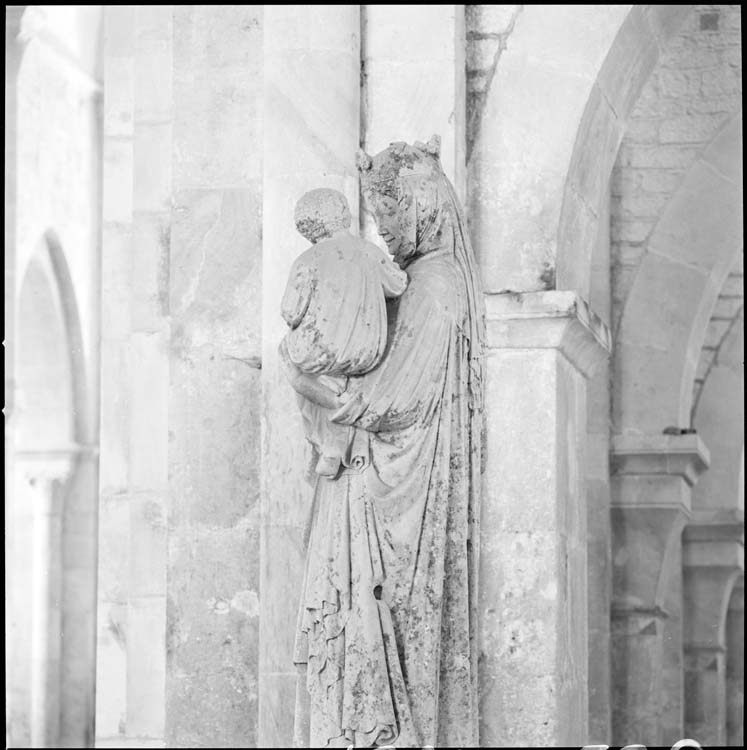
x=476 y=99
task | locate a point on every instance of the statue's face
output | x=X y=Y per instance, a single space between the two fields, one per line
x=389 y=218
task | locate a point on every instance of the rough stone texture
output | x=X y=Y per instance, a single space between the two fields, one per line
x=530 y=117
x=735 y=666
x=311 y=58
x=210 y=285
x=687 y=256
x=691 y=93
x=533 y=543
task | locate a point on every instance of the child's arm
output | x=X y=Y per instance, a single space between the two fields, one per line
x=393 y=278
x=297 y=295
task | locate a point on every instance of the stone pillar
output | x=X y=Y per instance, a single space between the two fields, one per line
x=16 y=684
x=178 y=588
x=311 y=123
x=413 y=83
x=212 y=291
x=133 y=479
x=652 y=479
x=713 y=556
x=46 y=475
x=533 y=570
x=735 y=667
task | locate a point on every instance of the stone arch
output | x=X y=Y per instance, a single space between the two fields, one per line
x=534 y=202
x=688 y=256
x=630 y=61
x=50 y=422
x=719 y=420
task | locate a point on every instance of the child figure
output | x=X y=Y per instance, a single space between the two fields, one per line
x=335 y=306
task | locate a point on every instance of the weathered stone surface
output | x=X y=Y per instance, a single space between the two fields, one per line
x=383 y=615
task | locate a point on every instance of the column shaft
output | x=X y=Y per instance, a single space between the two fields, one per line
x=651 y=493
x=311 y=133
x=533 y=574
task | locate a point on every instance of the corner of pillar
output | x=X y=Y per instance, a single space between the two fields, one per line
x=560 y=320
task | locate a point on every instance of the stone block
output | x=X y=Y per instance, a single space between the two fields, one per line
x=117 y=181
x=147 y=545
x=152 y=173
x=660 y=180
x=149 y=249
x=114 y=426
x=153 y=101
x=277 y=708
x=214 y=481
x=325 y=28
x=215 y=295
x=111 y=670
x=283 y=575
x=119 y=31
x=113 y=549
x=119 y=80
x=212 y=641
x=410 y=33
x=696 y=229
x=153 y=22
x=636 y=41
x=149 y=412
x=146 y=666
x=116 y=269
x=727 y=307
x=690 y=129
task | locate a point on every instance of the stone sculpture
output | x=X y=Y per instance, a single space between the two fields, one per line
x=386 y=636
x=335 y=306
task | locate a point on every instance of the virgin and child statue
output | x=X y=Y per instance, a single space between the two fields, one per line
x=387 y=358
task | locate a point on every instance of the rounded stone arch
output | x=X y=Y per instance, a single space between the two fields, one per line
x=551 y=124
x=631 y=59
x=50 y=422
x=46 y=305
x=719 y=420
x=689 y=254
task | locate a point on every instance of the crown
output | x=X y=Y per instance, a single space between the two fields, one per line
x=386 y=166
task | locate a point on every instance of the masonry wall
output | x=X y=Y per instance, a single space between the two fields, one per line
x=693 y=90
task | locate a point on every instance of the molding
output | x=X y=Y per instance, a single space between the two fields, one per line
x=559 y=320
x=685 y=456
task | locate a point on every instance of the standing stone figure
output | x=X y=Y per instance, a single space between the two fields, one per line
x=387 y=633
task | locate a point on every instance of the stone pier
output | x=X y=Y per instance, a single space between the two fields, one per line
x=713 y=557
x=652 y=480
x=533 y=571
x=311 y=122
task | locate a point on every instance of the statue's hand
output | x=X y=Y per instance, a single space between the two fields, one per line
x=307 y=386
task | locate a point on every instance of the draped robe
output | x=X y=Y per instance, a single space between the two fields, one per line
x=387 y=625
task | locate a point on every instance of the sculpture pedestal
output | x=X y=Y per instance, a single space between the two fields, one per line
x=533 y=575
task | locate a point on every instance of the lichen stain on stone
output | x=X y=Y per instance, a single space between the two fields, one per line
x=247 y=602
x=547 y=277
x=117 y=631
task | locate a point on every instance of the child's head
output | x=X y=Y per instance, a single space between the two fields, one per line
x=320 y=213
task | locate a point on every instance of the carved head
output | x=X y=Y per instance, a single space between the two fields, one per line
x=403 y=187
x=321 y=213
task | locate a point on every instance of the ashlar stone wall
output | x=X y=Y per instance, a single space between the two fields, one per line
x=696 y=86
